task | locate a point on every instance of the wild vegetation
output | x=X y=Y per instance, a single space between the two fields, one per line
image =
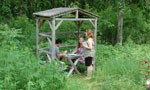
x=117 y=67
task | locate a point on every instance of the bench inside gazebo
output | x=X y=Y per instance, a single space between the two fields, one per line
x=78 y=15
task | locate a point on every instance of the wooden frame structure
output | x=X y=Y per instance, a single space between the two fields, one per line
x=56 y=14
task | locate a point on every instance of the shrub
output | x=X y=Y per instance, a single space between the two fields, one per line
x=20 y=69
x=27 y=29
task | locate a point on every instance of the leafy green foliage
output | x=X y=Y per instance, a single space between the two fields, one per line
x=136 y=17
x=116 y=67
x=9 y=36
x=27 y=29
x=120 y=66
x=20 y=69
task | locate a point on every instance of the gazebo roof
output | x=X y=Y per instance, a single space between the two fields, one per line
x=61 y=11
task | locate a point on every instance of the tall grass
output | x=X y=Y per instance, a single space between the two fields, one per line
x=118 y=67
x=20 y=69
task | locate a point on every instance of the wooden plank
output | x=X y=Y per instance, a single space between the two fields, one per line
x=37 y=37
x=58 y=24
x=47 y=48
x=77 y=14
x=47 y=33
x=92 y=23
x=95 y=42
x=59 y=12
x=71 y=70
x=44 y=35
x=53 y=38
x=69 y=32
x=40 y=17
x=50 y=42
x=53 y=13
x=50 y=25
x=74 y=19
x=78 y=30
x=87 y=13
x=49 y=59
x=47 y=52
x=79 y=25
x=74 y=45
x=41 y=22
x=73 y=67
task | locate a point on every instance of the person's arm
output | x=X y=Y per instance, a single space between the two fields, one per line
x=59 y=54
x=89 y=42
x=74 y=51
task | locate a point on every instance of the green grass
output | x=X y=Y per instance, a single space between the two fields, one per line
x=116 y=69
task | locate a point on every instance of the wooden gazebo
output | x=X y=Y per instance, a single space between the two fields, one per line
x=58 y=14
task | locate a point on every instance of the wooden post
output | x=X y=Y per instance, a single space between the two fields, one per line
x=79 y=23
x=77 y=14
x=95 y=42
x=92 y=23
x=53 y=38
x=78 y=29
x=58 y=24
x=37 y=37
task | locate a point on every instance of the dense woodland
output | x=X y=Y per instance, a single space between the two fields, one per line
x=136 y=15
x=126 y=22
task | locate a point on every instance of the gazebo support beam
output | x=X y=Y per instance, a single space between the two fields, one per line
x=53 y=38
x=50 y=42
x=79 y=23
x=58 y=24
x=66 y=46
x=77 y=14
x=41 y=22
x=75 y=19
x=79 y=29
x=37 y=37
x=95 y=42
x=88 y=14
x=92 y=23
x=50 y=25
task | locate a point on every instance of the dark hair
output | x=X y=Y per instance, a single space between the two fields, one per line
x=58 y=41
x=79 y=44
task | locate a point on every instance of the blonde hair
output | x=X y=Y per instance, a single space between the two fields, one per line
x=89 y=34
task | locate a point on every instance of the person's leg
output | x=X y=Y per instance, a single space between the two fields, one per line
x=89 y=71
x=88 y=63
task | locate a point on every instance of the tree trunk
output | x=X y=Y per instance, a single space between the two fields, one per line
x=120 y=26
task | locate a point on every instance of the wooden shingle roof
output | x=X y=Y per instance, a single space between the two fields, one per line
x=61 y=11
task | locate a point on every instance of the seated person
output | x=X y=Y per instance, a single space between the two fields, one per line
x=79 y=49
x=57 y=53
